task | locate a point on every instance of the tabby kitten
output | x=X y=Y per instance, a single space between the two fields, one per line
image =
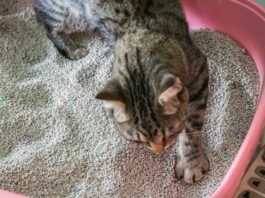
x=159 y=88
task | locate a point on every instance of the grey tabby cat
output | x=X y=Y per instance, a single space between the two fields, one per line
x=158 y=92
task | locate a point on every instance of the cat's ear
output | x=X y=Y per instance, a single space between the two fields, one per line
x=113 y=99
x=169 y=88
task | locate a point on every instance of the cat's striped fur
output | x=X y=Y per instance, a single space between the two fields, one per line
x=158 y=92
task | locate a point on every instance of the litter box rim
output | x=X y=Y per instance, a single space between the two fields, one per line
x=242 y=20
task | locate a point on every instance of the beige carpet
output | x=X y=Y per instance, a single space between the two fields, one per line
x=56 y=140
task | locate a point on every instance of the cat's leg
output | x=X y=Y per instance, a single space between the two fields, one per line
x=66 y=46
x=53 y=15
x=192 y=161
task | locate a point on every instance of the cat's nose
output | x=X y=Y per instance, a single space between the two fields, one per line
x=157 y=148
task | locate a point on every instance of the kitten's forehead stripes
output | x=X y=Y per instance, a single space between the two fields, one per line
x=130 y=81
x=141 y=94
x=149 y=94
x=139 y=62
x=149 y=98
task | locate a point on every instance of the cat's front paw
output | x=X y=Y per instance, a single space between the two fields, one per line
x=78 y=54
x=191 y=169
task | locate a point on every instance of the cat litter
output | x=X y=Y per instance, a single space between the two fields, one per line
x=101 y=162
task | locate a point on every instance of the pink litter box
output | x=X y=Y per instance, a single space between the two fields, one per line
x=244 y=21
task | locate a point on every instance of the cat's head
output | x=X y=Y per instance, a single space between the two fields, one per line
x=147 y=96
x=150 y=115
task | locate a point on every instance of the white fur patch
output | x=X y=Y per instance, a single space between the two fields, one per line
x=118 y=110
